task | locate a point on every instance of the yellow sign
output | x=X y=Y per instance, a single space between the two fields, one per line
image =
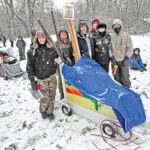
x=68 y=12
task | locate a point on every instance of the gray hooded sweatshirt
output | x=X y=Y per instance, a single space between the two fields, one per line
x=121 y=44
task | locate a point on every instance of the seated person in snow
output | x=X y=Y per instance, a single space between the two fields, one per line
x=136 y=62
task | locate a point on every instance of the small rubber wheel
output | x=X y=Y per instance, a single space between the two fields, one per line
x=108 y=130
x=66 y=110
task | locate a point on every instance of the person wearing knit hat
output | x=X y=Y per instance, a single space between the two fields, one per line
x=93 y=31
x=84 y=41
x=102 y=45
x=41 y=64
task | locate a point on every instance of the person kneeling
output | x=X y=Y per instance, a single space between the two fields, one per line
x=136 y=62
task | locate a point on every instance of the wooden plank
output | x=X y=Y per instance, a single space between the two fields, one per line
x=75 y=39
x=73 y=36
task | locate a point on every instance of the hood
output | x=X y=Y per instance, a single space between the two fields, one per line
x=35 y=42
x=117 y=22
x=135 y=50
x=65 y=30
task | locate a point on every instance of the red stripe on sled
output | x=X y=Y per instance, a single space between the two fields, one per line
x=72 y=91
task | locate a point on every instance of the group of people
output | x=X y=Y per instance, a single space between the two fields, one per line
x=20 y=44
x=97 y=44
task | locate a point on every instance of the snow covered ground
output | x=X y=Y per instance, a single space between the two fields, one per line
x=22 y=128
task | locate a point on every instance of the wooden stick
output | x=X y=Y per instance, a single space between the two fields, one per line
x=75 y=45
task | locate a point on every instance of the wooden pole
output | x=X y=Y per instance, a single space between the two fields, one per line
x=71 y=29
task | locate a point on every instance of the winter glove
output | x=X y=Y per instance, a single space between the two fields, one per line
x=69 y=62
x=58 y=60
x=33 y=86
x=114 y=69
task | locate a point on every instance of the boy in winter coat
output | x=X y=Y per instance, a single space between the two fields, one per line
x=65 y=46
x=102 y=46
x=84 y=41
x=41 y=64
x=136 y=62
x=21 y=44
x=93 y=31
x=121 y=50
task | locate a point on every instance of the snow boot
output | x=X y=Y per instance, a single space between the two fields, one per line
x=144 y=69
x=50 y=116
x=44 y=115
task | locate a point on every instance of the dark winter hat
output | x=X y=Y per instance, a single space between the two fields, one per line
x=117 y=23
x=101 y=25
x=96 y=20
x=81 y=23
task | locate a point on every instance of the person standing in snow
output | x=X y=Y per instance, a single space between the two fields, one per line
x=121 y=50
x=102 y=46
x=21 y=44
x=84 y=41
x=65 y=45
x=136 y=62
x=93 y=31
x=12 y=39
x=41 y=64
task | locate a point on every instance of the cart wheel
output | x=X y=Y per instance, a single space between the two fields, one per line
x=66 y=110
x=108 y=130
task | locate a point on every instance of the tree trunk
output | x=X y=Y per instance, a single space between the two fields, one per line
x=19 y=17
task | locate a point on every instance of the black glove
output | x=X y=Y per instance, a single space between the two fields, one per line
x=33 y=86
x=113 y=61
x=68 y=61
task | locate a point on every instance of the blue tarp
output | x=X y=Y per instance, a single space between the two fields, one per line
x=91 y=79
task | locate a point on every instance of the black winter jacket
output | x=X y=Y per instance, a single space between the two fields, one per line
x=101 y=49
x=67 y=52
x=40 y=62
x=83 y=46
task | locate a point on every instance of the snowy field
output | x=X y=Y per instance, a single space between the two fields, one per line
x=22 y=128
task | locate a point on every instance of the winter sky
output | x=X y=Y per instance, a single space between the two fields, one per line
x=61 y=3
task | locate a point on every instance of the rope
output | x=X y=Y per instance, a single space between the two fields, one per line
x=115 y=126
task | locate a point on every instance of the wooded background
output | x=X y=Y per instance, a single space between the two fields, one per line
x=18 y=17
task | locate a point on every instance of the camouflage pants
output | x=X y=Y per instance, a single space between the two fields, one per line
x=48 y=89
x=122 y=74
x=22 y=54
